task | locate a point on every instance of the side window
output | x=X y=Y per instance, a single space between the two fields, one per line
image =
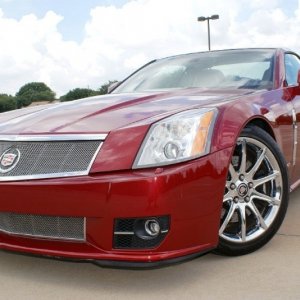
x=292 y=66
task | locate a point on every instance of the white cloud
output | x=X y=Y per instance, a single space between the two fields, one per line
x=266 y=4
x=118 y=40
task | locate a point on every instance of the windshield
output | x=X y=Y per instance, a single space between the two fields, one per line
x=249 y=69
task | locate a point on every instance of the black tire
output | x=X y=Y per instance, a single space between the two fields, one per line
x=262 y=217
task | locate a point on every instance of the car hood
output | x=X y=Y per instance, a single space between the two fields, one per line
x=102 y=114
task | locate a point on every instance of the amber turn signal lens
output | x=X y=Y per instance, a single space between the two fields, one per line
x=202 y=133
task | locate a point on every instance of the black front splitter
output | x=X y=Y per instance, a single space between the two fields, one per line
x=118 y=264
x=147 y=265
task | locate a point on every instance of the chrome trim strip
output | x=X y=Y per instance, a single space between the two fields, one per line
x=53 y=137
x=45 y=237
x=84 y=229
x=132 y=233
x=93 y=158
x=44 y=176
x=295 y=134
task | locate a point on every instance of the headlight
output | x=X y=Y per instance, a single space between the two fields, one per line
x=181 y=137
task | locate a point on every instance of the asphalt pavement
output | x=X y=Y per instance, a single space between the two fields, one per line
x=272 y=272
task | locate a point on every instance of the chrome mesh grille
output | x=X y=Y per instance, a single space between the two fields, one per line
x=46 y=227
x=44 y=159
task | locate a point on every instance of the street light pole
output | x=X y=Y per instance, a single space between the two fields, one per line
x=202 y=19
x=208 y=33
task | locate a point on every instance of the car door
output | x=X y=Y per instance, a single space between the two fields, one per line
x=292 y=67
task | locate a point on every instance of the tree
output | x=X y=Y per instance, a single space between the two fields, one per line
x=34 y=91
x=78 y=93
x=7 y=102
x=104 y=87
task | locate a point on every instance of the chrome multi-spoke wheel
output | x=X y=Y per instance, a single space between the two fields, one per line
x=255 y=197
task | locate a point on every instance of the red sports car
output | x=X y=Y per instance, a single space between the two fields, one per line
x=188 y=154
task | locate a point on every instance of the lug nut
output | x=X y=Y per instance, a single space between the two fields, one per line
x=247 y=199
x=250 y=185
x=236 y=199
x=242 y=177
x=232 y=186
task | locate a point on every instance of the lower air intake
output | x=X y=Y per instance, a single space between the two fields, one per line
x=131 y=234
x=43 y=227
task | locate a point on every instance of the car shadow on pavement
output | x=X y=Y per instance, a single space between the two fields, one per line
x=36 y=270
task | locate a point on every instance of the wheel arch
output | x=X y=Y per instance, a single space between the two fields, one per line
x=233 y=119
x=263 y=124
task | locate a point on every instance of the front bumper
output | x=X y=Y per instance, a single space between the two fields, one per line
x=190 y=194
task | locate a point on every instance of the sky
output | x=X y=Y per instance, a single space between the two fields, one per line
x=84 y=43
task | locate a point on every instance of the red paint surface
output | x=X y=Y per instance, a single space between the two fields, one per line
x=190 y=193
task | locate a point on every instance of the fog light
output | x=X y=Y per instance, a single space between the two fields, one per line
x=140 y=233
x=152 y=227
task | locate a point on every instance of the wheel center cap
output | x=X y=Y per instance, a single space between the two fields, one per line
x=242 y=190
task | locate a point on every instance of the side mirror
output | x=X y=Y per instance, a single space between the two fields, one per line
x=112 y=86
